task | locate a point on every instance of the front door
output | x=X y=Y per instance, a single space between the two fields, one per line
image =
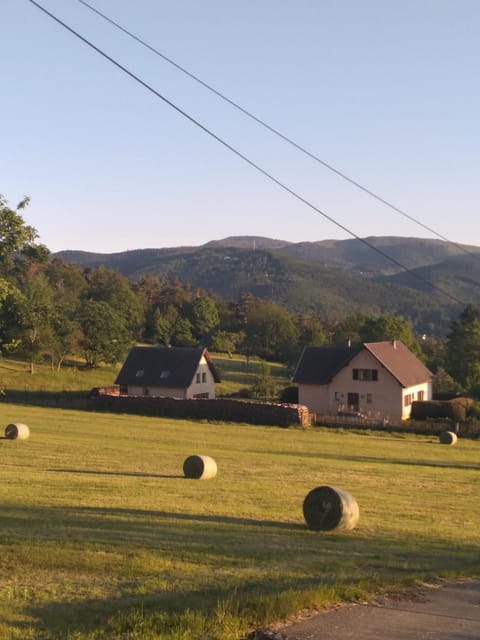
x=353 y=401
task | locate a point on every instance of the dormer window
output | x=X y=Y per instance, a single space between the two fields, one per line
x=139 y=373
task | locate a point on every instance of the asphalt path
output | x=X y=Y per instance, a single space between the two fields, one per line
x=449 y=611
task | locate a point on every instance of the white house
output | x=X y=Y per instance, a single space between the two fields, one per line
x=168 y=372
x=377 y=379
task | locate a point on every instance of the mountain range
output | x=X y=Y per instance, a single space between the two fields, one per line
x=426 y=281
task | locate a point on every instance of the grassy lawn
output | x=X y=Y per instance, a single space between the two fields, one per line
x=103 y=538
x=236 y=373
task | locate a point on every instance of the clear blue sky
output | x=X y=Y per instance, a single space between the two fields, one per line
x=387 y=91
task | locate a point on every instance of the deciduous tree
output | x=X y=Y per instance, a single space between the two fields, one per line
x=105 y=337
x=463 y=348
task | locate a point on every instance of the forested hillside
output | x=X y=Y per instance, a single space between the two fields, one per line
x=259 y=297
x=331 y=278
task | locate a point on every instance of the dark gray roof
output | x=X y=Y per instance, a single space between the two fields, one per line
x=163 y=366
x=318 y=365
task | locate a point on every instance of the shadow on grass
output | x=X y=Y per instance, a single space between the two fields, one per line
x=103 y=517
x=120 y=474
x=130 y=616
x=288 y=558
x=376 y=460
x=77 y=399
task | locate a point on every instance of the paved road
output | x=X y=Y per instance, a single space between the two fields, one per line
x=447 y=612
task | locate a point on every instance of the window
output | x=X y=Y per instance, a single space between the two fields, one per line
x=408 y=399
x=369 y=398
x=338 y=396
x=139 y=373
x=164 y=375
x=421 y=396
x=198 y=378
x=365 y=374
x=204 y=377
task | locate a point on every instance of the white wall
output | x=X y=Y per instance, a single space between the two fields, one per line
x=386 y=393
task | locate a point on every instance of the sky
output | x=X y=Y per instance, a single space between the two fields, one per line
x=386 y=91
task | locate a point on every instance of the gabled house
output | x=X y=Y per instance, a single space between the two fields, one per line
x=168 y=372
x=377 y=379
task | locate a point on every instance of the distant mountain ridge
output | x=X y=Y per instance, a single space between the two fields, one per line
x=331 y=277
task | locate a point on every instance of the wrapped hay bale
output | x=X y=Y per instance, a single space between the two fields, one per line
x=328 y=508
x=17 y=431
x=200 y=467
x=448 y=437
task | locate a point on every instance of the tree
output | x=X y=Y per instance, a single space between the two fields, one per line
x=463 y=348
x=270 y=333
x=348 y=330
x=11 y=303
x=444 y=383
x=264 y=386
x=36 y=314
x=107 y=285
x=226 y=341
x=182 y=335
x=158 y=329
x=15 y=235
x=203 y=315
x=311 y=332
x=390 y=328
x=105 y=337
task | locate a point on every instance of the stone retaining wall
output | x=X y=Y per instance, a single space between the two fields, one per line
x=282 y=415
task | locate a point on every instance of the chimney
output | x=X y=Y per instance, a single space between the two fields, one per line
x=394 y=344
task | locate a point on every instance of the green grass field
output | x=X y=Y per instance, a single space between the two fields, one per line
x=103 y=538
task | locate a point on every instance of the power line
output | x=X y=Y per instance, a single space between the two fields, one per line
x=242 y=156
x=278 y=133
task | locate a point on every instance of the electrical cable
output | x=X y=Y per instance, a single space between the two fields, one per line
x=278 y=133
x=243 y=157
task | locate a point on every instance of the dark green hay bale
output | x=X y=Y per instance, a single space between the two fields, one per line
x=17 y=431
x=200 y=467
x=328 y=508
x=448 y=437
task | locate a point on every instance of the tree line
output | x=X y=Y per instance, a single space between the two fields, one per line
x=55 y=310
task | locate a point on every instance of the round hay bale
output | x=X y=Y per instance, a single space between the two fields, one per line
x=329 y=508
x=200 y=467
x=448 y=437
x=17 y=431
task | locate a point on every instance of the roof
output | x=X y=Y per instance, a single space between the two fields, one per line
x=319 y=365
x=400 y=361
x=163 y=366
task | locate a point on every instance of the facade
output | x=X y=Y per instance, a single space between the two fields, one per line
x=376 y=379
x=168 y=372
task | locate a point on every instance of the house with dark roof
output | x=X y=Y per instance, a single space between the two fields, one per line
x=168 y=372
x=375 y=379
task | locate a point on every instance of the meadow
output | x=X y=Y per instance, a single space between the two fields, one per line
x=102 y=537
